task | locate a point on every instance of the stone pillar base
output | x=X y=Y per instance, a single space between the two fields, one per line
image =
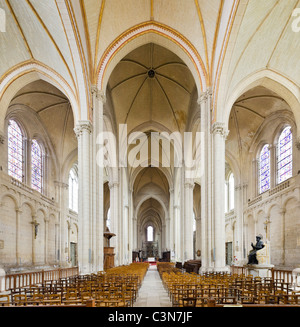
x=259 y=270
x=222 y=269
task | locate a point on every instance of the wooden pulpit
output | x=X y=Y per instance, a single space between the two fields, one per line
x=109 y=255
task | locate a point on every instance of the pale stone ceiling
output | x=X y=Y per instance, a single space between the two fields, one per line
x=140 y=98
x=248 y=114
x=262 y=39
x=54 y=113
x=261 y=36
x=151 y=184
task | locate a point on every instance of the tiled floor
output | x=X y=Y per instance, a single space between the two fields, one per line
x=152 y=292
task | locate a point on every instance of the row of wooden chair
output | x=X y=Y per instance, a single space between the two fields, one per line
x=116 y=287
x=191 y=289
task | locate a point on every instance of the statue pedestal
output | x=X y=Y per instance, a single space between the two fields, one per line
x=260 y=270
x=263 y=268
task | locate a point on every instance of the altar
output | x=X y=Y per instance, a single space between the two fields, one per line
x=151 y=259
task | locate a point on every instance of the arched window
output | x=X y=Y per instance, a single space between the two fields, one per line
x=15 y=151
x=285 y=155
x=264 y=169
x=150 y=234
x=36 y=166
x=73 y=190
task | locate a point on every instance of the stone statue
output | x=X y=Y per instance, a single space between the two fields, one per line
x=252 y=260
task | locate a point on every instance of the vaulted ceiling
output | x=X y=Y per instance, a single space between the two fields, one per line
x=249 y=113
x=233 y=38
x=150 y=86
x=54 y=113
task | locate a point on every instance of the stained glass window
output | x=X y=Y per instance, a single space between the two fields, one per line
x=285 y=155
x=264 y=169
x=73 y=190
x=36 y=166
x=15 y=151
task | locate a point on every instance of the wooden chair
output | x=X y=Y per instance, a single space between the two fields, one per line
x=4 y=300
x=227 y=300
x=189 y=302
x=53 y=299
x=20 y=299
x=37 y=299
x=72 y=297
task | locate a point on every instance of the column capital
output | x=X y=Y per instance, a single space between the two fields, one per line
x=238 y=187
x=100 y=94
x=204 y=96
x=113 y=184
x=83 y=125
x=219 y=128
x=61 y=184
x=188 y=184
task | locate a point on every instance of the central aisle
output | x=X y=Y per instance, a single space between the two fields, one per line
x=152 y=292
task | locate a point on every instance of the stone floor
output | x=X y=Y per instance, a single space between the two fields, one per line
x=152 y=292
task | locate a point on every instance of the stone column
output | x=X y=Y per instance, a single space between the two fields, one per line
x=282 y=213
x=172 y=222
x=114 y=214
x=125 y=228
x=238 y=239
x=198 y=237
x=167 y=234
x=83 y=133
x=18 y=235
x=273 y=170
x=177 y=230
x=219 y=135
x=62 y=192
x=188 y=221
x=27 y=163
x=99 y=101
x=206 y=181
x=135 y=233
x=34 y=224
x=46 y=238
x=254 y=184
x=163 y=239
x=130 y=227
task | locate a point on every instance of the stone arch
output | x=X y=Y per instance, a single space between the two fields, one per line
x=272 y=81
x=156 y=33
x=20 y=76
x=13 y=198
x=152 y=196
